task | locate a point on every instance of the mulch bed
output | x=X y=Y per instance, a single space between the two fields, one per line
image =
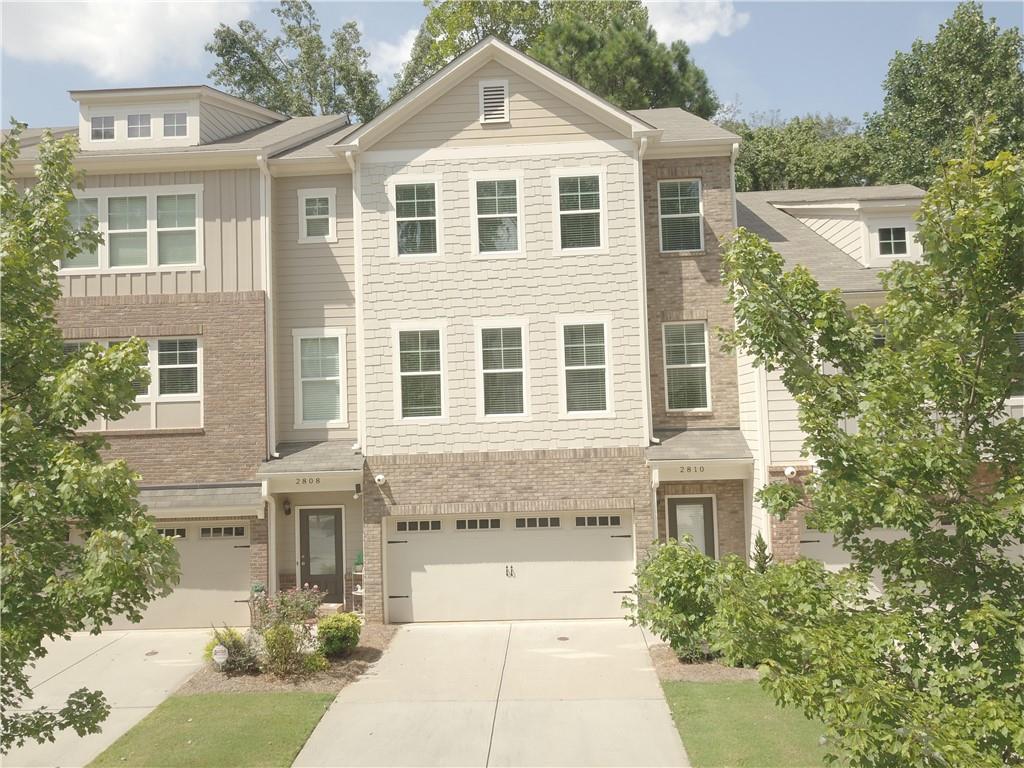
x=670 y=668
x=372 y=642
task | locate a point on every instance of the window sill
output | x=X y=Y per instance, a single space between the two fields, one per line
x=586 y=415
x=67 y=272
x=501 y=418
x=180 y=431
x=559 y=251
x=422 y=420
x=690 y=411
x=321 y=425
x=698 y=252
x=317 y=240
x=498 y=255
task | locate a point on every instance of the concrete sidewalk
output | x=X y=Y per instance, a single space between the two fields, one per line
x=574 y=693
x=135 y=669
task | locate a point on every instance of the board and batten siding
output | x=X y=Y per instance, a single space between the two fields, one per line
x=314 y=287
x=218 y=123
x=844 y=232
x=232 y=251
x=535 y=115
x=538 y=286
x=751 y=395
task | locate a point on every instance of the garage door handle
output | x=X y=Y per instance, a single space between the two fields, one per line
x=622 y=591
x=241 y=601
x=622 y=535
x=398 y=597
x=398 y=541
x=241 y=546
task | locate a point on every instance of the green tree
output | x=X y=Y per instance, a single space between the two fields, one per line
x=931 y=673
x=607 y=47
x=295 y=72
x=54 y=479
x=970 y=68
x=801 y=153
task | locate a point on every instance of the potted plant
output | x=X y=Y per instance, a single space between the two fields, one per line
x=358 y=566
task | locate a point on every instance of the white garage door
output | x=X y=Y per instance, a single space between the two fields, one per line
x=551 y=566
x=214 y=584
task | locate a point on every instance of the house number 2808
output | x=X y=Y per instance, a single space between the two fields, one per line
x=307 y=481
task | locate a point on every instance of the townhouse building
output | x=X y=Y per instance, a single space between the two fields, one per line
x=457 y=363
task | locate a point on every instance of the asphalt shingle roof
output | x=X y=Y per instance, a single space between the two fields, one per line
x=699 y=445
x=325 y=456
x=679 y=125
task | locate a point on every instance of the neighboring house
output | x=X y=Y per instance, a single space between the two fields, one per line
x=459 y=362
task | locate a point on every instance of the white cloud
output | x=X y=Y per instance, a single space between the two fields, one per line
x=695 y=21
x=387 y=58
x=119 y=42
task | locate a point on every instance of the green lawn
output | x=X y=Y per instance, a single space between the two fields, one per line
x=737 y=725
x=220 y=729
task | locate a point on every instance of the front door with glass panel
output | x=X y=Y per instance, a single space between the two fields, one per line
x=694 y=517
x=320 y=554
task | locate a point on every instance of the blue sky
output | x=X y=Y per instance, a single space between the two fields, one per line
x=794 y=57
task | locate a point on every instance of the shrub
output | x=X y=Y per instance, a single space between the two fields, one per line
x=291 y=606
x=761 y=558
x=285 y=657
x=243 y=658
x=674 y=596
x=338 y=633
x=315 y=662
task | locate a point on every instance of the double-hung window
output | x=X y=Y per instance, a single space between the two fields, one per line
x=892 y=241
x=319 y=366
x=416 y=218
x=586 y=368
x=497 y=215
x=175 y=229
x=686 y=366
x=680 y=216
x=177 y=367
x=579 y=211
x=80 y=211
x=127 y=226
x=175 y=124
x=138 y=127
x=419 y=359
x=102 y=128
x=317 y=215
x=502 y=358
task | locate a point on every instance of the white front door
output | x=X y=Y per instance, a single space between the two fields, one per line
x=690 y=521
x=693 y=517
x=550 y=566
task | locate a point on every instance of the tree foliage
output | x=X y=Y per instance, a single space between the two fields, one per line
x=931 y=92
x=932 y=671
x=295 y=72
x=607 y=47
x=54 y=479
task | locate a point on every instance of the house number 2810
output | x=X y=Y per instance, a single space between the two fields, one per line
x=692 y=469
x=307 y=481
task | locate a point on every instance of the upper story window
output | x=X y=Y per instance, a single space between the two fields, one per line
x=178 y=367
x=317 y=216
x=176 y=229
x=175 y=124
x=419 y=355
x=686 y=366
x=680 y=216
x=497 y=216
x=586 y=368
x=102 y=128
x=319 y=374
x=892 y=241
x=127 y=237
x=416 y=218
x=579 y=212
x=502 y=357
x=138 y=127
x=81 y=210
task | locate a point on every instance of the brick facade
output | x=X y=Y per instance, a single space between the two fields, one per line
x=689 y=287
x=232 y=441
x=495 y=483
x=785 y=538
x=728 y=507
x=259 y=567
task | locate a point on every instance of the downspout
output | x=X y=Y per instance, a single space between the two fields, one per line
x=357 y=217
x=266 y=189
x=642 y=229
x=270 y=503
x=732 y=179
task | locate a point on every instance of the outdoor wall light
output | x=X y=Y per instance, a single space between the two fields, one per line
x=359 y=490
x=287 y=507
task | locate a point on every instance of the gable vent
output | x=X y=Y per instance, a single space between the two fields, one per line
x=494 y=101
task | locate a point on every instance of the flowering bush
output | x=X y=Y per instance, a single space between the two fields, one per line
x=291 y=606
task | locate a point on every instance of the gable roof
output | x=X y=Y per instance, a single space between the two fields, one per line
x=493 y=49
x=677 y=126
x=203 y=92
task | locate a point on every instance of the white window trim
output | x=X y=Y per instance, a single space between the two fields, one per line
x=298 y=334
x=714 y=513
x=700 y=214
x=514 y=175
x=480 y=91
x=501 y=322
x=556 y=228
x=127 y=127
x=403 y=180
x=113 y=120
x=102 y=195
x=707 y=365
x=331 y=193
x=419 y=325
x=609 y=411
x=893 y=241
x=164 y=124
x=154 y=109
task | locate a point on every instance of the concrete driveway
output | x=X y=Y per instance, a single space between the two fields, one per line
x=573 y=693
x=136 y=670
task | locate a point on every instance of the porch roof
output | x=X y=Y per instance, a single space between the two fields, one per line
x=323 y=456
x=699 y=445
x=203 y=499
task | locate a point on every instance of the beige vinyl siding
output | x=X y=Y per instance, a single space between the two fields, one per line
x=786 y=437
x=844 y=232
x=535 y=116
x=751 y=396
x=538 y=287
x=219 y=123
x=231 y=238
x=314 y=287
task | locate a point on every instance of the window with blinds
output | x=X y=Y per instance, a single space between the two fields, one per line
x=416 y=218
x=680 y=217
x=81 y=211
x=579 y=211
x=319 y=379
x=317 y=216
x=686 y=366
x=585 y=368
x=497 y=216
x=176 y=229
x=419 y=355
x=502 y=355
x=178 y=366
